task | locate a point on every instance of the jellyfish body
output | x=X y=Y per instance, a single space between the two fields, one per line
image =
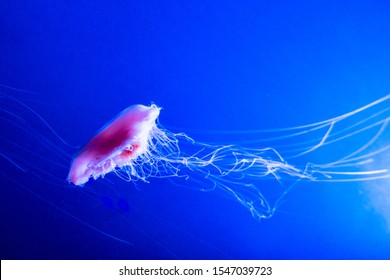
x=123 y=139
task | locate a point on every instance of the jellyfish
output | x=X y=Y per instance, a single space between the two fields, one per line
x=257 y=169
x=135 y=146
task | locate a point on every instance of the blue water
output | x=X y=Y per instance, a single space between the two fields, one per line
x=212 y=65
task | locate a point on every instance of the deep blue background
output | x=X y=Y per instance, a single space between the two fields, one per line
x=215 y=65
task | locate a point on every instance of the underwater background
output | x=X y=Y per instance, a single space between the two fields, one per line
x=68 y=67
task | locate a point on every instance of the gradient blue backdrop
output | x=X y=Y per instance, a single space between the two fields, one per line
x=211 y=65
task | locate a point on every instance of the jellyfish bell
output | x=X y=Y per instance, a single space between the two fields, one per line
x=118 y=143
